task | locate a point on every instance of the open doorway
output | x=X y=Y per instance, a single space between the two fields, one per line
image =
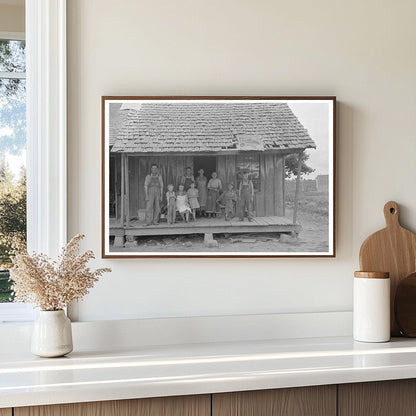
x=208 y=163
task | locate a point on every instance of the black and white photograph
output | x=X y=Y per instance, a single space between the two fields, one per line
x=218 y=176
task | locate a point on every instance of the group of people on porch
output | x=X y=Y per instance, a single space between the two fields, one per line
x=197 y=197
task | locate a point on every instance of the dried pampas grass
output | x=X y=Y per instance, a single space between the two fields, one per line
x=53 y=285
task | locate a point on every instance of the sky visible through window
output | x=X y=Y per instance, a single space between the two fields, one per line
x=12 y=155
x=13 y=104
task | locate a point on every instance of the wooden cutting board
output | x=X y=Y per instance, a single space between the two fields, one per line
x=393 y=250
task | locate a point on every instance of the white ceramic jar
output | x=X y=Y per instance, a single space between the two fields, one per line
x=52 y=334
x=371 y=310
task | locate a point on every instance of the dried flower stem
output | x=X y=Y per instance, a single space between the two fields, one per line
x=53 y=285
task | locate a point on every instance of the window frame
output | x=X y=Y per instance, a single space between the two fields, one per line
x=14 y=312
x=46 y=138
x=258 y=187
x=46 y=125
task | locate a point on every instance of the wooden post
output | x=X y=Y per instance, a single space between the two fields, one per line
x=295 y=207
x=122 y=190
x=116 y=183
x=284 y=184
x=119 y=239
x=127 y=190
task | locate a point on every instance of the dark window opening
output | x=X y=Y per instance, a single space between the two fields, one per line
x=207 y=163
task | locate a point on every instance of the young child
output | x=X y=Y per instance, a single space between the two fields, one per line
x=182 y=204
x=228 y=200
x=246 y=196
x=214 y=189
x=171 y=204
x=193 y=199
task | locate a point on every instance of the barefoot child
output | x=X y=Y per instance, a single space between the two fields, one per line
x=228 y=200
x=193 y=199
x=171 y=201
x=182 y=204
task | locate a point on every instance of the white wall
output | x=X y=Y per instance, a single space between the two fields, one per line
x=361 y=51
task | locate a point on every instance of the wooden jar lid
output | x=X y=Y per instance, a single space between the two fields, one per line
x=372 y=275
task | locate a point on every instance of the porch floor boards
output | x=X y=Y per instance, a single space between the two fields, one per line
x=206 y=225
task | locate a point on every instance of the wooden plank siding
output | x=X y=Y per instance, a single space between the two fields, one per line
x=269 y=200
x=115 y=184
x=268 y=185
x=283 y=181
x=259 y=205
x=170 y=167
x=279 y=184
x=226 y=171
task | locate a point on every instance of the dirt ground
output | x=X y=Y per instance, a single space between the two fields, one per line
x=313 y=237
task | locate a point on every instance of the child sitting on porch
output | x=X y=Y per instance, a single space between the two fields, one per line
x=171 y=204
x=227 y=200
x=182 y=204
x=193 y=199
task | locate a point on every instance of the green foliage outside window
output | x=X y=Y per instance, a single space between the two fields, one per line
x=12 y=145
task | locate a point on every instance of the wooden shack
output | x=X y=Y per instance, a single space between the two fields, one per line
x=226 y=137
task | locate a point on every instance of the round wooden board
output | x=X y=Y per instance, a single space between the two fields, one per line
x=405 y=306
x=393 y=250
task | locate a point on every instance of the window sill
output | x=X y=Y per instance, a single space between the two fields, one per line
x=16 y=313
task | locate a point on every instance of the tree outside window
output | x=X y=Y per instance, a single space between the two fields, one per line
x=12 y=155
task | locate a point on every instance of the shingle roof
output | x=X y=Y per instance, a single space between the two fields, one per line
x=116 y=117
x=210 y=127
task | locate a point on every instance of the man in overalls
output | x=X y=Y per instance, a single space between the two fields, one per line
x=153 y=188
x=246 y=196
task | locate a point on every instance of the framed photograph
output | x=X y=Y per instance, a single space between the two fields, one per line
x=218 y=176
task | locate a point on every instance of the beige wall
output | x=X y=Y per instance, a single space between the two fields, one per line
x=361 y=51
x=12 y=18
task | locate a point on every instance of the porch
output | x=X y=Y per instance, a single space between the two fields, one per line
x=272 y=224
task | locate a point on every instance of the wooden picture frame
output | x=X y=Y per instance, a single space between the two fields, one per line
x=259 y=142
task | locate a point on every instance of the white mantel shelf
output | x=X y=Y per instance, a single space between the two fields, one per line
x=151 y=371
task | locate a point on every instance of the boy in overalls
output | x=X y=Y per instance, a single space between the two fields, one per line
x=153 y=188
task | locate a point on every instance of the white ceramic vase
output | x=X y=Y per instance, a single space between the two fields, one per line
x=52 y=334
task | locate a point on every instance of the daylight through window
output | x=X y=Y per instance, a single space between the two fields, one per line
x=12 y=155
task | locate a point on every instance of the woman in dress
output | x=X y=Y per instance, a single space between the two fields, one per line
x=201 y=185
x=214 y=189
